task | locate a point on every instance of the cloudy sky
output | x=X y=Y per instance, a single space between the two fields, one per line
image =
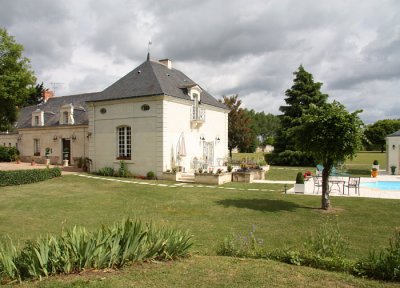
x=249 y=47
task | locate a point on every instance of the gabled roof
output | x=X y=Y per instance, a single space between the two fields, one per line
x=153 y=78
x=395 y=134
x=52 y=107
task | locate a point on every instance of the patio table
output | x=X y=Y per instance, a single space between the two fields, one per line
x=339 y=183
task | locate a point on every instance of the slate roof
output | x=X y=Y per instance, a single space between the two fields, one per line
x=395 y=134
x=154 y=78
x=148 y=79
x=52 y=107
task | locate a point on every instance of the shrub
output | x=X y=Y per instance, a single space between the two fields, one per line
x=18 y=177
x=106 y=171
x=150 y=175
x=289 y=158
x=299 y=178
x=77 y=249
x=375 y=162
x=384 y=265
x=229 y=168
x=8 y=154
x=327 y=241
x=239 y=245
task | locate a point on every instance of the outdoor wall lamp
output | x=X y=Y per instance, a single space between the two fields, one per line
x=217 y=139
x=55 y=138
x=73 y=137
x=394 y=146
x=89 y=134
x=19 y=137
x=202 y=138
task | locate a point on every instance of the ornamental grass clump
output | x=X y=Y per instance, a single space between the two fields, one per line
x=77 y=249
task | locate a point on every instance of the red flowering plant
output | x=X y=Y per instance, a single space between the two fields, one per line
x=307 y=174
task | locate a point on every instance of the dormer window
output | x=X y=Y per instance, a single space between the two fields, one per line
x=67 y=114
x=37 y=118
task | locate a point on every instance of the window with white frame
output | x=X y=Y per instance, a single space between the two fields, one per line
x=36 y=120
x=65 y=116
x=36 y=147
x=124 y=142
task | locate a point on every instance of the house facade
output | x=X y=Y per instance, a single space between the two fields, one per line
x=155 y=118
x=393 y=151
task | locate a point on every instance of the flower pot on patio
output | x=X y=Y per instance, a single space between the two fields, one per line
x=374 y=172
x=65 y=163
x=393 y=169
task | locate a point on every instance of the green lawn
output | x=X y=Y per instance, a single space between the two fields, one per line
x=210 y=214
x=211 y=271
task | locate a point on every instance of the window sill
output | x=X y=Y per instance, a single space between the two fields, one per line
x=123 y=158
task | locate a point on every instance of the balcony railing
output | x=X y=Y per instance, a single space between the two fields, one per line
x=198 y=114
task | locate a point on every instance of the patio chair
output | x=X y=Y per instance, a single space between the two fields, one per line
x=317 y=183
x=354 y=182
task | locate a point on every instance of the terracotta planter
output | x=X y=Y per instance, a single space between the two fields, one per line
x=374 y=173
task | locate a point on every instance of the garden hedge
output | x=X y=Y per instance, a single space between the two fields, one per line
x=19 y=177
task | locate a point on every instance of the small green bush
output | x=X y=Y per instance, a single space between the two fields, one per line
x=384 y=265
x=375 y=162
x=229 y=168
x=8 y=154
x=19 y=177
x=150 y=175
x=299 y=178
x=106 y=171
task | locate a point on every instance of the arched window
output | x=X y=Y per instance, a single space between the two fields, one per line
x=124 y=143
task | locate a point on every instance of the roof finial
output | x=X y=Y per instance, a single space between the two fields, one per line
x=148 y=51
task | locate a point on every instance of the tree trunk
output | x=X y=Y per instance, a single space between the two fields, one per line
x=230 y=153
x=325 y=202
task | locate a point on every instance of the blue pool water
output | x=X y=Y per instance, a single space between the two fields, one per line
x=383 y=185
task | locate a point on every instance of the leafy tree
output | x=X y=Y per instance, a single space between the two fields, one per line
x=239 y=125
x=16 y=79
x=377 y=132
x=264 y=126
x=330 y=134
x=300 y=96
x=36 y=95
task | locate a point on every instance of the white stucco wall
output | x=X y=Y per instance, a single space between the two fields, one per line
x=103 y=129
x=393 y=153
x=178 y=122
x=155 y=133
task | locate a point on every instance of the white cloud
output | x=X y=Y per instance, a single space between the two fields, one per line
x=247 y=47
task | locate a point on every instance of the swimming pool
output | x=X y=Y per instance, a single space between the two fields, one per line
x=383 y=185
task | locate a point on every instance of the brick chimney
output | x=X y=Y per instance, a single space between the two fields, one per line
x=47 y=94
x=166 y=62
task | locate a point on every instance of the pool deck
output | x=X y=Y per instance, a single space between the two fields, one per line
x=364 y=191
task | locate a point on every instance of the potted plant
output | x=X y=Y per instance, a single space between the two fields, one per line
x=375 y=164
x=393 y=169
x=299 y=187
x=33 y=161
x=17 y=159
x=47 y=152
x=374 y=172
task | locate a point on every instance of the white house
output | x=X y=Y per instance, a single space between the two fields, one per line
x=154 y=118
x=393 y=151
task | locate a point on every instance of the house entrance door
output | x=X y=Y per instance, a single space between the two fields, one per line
x=208 y=153
x=66 y=149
